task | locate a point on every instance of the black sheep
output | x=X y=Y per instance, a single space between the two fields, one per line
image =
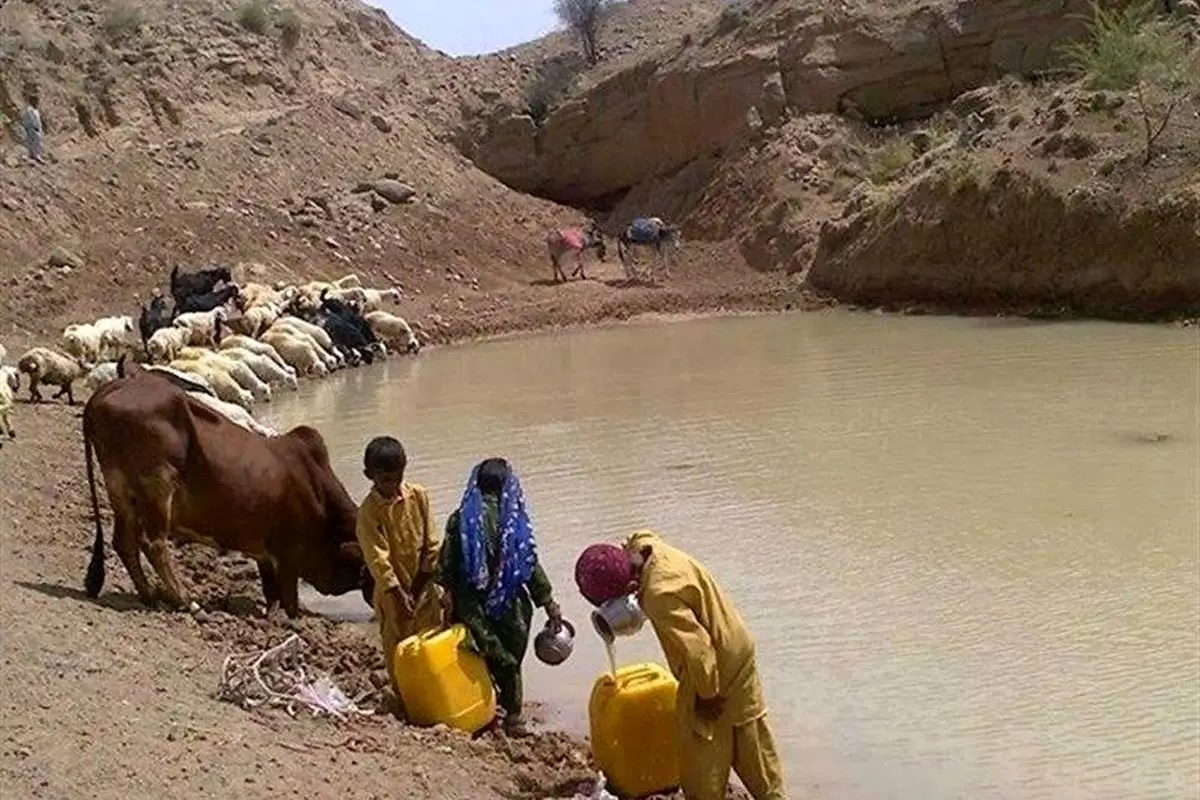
x=196 y=283
x=347 y=328
x=207 y=301
x=155 y=315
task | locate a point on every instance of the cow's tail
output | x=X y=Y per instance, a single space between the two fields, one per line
x=93 y=582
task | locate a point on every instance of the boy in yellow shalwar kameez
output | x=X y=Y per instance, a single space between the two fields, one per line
x=401 y=546
x=720 y=706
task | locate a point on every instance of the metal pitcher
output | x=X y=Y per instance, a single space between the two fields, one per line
x=621 y=616
x=554 y=644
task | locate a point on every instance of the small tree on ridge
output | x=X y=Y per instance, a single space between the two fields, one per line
x=584 y=18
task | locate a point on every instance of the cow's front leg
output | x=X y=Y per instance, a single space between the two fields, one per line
x=288 y=578
x=270 y=586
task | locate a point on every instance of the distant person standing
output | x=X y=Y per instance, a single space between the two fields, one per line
x=35 y=137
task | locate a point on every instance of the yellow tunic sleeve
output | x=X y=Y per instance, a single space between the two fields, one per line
x=372 y=538
x=686 y=644
x=431 y=547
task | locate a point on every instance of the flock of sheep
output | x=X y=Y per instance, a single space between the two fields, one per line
x=229 y=345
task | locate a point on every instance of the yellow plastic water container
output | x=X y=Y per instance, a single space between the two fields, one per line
x=441 y=682
x=633 y=729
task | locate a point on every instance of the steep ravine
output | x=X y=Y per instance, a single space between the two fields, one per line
x=777 y=58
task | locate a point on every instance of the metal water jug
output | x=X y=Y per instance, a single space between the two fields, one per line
x=554 y=643
x=621 y=616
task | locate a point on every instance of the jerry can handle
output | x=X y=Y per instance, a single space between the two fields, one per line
x=468 y=645
x=640 y=675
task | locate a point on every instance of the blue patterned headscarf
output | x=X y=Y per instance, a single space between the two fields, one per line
x=518 y=553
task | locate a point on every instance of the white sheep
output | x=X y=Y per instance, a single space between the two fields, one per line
x=255 y=320
x=235 y=414
x=3 y=353
x=298 y=351
x=164 y=343
x=105 y=372
x=203 y=327
x=10 y=381
x=319 y=334
x=44 y=365
x=393 y=330
x=221 y=381
x=118 y=336
x=293 y=325
x=313 y=289
x=263 y=367
x=257 y=347
x=354 y=296
x=82 y=340
x=241 y=373
x=257 y=294
x=375 y=298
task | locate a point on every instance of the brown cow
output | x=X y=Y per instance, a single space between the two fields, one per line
x=174 y=467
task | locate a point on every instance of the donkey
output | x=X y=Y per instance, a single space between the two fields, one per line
x=647 y=232
x=574 y=240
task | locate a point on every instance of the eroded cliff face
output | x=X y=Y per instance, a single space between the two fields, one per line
x=777 y=59
x=966 y=237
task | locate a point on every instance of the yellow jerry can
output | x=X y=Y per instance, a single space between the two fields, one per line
x=442 y=682
x=633 y=730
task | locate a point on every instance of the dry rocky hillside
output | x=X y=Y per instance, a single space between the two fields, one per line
x=915 y=156
x=938 y=154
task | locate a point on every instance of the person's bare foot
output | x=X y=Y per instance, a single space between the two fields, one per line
x=515 y=726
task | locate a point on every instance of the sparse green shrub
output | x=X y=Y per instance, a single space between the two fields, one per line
x=889 y=161
x=121 y=22
x=254 y=16
x=548 y=87
x=1136 y=50
x=290 y=28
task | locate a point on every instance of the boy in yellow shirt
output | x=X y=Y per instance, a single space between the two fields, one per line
x=401 y=546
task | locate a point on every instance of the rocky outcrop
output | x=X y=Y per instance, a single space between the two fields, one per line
x=965 y=238
x=653 y=119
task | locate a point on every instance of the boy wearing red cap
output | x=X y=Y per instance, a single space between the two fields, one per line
x=720 y=707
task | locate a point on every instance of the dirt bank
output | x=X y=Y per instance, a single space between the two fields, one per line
x=109 y=700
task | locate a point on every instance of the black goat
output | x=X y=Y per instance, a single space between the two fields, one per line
x=194 y=283
x=155 y=315
x=348 y=329
x=207 y=301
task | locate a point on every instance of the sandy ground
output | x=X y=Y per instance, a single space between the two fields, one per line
x=109 y=700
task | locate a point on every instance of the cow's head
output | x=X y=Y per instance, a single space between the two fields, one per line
x=337 y=568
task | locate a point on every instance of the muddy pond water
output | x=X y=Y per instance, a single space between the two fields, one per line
x=968 y=549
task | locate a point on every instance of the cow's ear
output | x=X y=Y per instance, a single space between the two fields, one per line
x=352 y=549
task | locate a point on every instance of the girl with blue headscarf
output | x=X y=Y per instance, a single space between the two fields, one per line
x=493 y=580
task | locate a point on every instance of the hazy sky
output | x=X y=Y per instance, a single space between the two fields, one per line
x=471 y=27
